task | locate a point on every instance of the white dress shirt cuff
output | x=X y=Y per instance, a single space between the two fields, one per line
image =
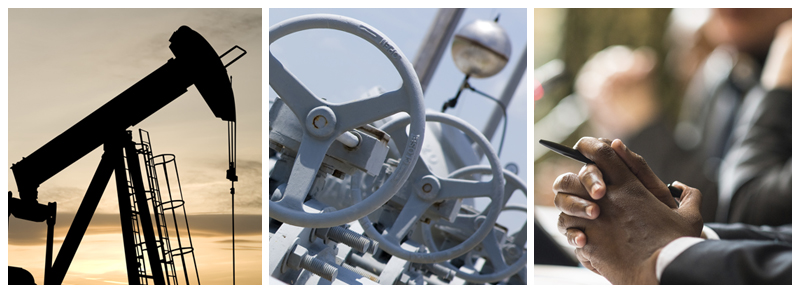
x=709 y=233
x=671 y=251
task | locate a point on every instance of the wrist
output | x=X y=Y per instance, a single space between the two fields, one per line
x=647 y=273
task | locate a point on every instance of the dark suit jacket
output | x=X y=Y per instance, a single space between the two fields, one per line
x=756 y=175
x=692 y=153
x=745 y=255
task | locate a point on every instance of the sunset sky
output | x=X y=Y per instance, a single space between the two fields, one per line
x=65 y=63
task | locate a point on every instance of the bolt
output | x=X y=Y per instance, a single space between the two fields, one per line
x=364 y=273
x=349 y=238
x=320 y=121
x=427 y=187
x=479 y=221
x=298 y=258
x=442 y=271
x=373 y=246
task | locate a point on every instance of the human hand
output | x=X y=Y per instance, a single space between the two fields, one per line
x=623 y=243
x=590 y=176
x=778 y=68
x=616 y=85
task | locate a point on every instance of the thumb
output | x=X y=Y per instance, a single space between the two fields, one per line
x=642 y=171
x=691 y=199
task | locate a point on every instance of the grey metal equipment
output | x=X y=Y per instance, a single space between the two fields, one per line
x=299 y=259
x=489 y=247
x=428 y=189
x=323 y=122
x=352 y=202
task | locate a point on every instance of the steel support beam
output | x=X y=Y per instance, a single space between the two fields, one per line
x=51 y=223
x=126 y=216
x=435 y=42
x=508 y=93
x=81 y=221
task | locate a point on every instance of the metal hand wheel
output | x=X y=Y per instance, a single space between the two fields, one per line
x=323 y=122
x=428 y=189
x=491 y=250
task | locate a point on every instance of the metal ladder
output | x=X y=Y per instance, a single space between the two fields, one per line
x=161 y=206
x=154 y=195
x=137 y=236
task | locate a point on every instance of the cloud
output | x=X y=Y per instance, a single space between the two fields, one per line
x=206 y=191
x=22 y=232
x=26 y=232
x=68 y=198
x=231 y=25
x=216 y=225
x=241 y=244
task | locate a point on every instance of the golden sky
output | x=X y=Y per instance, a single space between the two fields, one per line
x=99 y=259
x=65 y=63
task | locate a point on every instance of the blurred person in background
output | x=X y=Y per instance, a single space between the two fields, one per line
x=630 y=238
x=756 y=174
x=619 y=88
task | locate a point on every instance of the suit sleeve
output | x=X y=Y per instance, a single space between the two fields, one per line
x=750 y=232
x=756 y=174
x=731 y=262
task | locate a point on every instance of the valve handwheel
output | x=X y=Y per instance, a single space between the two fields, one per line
x=323 y=122
x=491 y=249
x=429 y=189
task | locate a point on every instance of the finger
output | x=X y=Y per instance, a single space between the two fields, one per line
x=642 y=171
x=576 y=206
x=576 y=237
x=592 y=180
x=691 y=199
x=570 y=183
x=572 y=198
x=569 y=222
x=614 y=169
x=579 y=253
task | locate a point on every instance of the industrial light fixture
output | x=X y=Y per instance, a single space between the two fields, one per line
x=481 y=49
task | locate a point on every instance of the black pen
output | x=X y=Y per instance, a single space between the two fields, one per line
x=576 y=155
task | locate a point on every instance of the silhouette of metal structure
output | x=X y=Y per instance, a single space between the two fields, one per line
x=166 y=201
x=195 y=63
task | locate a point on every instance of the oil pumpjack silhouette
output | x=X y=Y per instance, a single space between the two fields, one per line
x=150 y=259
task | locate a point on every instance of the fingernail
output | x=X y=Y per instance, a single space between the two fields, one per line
x=590 y=211
x=595 y=187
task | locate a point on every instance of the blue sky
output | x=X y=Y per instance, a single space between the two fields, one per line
x=341 y=67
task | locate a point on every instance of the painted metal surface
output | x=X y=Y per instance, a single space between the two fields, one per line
x=396 y=201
